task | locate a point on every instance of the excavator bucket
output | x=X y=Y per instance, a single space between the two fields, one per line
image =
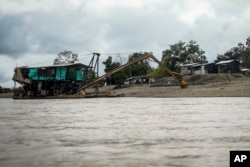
x=183 y=84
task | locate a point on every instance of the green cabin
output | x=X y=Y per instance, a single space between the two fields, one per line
x=60 y=73
x=51 y=80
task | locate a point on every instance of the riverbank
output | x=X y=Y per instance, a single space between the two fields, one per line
x=210 y=90
x=223 y=85
x=6 y=95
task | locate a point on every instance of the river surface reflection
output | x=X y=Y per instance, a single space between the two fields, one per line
x=123 y=131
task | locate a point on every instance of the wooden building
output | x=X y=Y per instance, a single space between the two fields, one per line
x=228 y=66
x=50 y=80
x=192 y=69
x=199 y=69
x=211 y=68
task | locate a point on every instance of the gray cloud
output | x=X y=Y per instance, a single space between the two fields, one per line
x=12 y=35
x=39 y=28
x=44 y=33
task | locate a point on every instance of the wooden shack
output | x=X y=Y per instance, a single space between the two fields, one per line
x=61 y=79
x=228 y=66
x=192 y=69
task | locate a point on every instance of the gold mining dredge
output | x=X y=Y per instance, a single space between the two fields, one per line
x=70 y=80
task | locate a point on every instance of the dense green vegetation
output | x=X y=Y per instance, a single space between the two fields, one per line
x=178 y=54
x=140 y=68
x=5 y=90
x=241 y=52
x=183 y=53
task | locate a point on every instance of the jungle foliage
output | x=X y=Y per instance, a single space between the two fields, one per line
x=140 y=68
x=241 y=52
x=178 y=54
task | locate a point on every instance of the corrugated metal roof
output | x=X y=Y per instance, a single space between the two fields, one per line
x=62 y=65
x=190 y=65
x=224 y=62
x=244 y=69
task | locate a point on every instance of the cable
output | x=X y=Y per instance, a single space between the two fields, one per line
x=85 y=55
x=117 y=53
x=39 y=63
x=88 y=54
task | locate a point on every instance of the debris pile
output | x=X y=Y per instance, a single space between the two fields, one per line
x=199 y=79
x=212 y=78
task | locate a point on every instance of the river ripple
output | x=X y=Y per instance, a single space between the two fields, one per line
x=174 y=132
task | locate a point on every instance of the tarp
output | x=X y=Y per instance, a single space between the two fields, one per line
x=60 y=73
x=33 y=74
x=79 y=75
x=75 y=75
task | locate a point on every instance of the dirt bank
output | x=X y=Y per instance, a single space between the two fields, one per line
x=222 y=85
x=6 y=95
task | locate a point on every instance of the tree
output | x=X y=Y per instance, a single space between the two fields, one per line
x=110 y=65
x=117 y=78
x=65 y=57
x=232 y=54
x=182 y=53
x=245 y=57
x=1 y=90
x=158 y=72
x=4 y=90
x=241 y=53
x=140 y=68
x=194 y=53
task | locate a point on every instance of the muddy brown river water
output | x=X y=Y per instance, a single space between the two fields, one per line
x=99 y=132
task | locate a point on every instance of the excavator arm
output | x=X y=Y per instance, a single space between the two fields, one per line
x=146 y=55
x=178 y=76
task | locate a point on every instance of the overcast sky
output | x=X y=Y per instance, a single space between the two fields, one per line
x=33 y=32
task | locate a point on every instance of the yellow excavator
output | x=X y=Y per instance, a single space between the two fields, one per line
x=146 y=55
x=176 y=75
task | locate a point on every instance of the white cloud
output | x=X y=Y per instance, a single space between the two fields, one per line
x=194 y=10
x=7 y=70
x=15 y=7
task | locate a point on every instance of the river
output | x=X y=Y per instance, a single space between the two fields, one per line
x=98 y=132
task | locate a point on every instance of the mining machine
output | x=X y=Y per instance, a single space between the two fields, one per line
x=146 y=55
